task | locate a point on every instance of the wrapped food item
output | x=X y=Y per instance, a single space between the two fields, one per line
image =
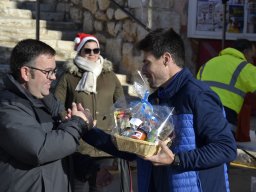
x=139 y=125
x=122 y=119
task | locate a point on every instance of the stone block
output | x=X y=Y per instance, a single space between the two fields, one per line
x=7 y=4
x=141 y=33
x=76 y=14
x=113 y=50
x=129 y=30
x=100 y=15
x=76 y=2
x=90 y=5
x=103 y=4
x=120 y=15
x=65 y=45
x=88 y=22
x=16 y=13
x=98 y=26
x=110 y=13
x=111 y=28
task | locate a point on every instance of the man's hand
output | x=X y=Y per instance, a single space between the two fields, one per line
x=88 y=115
x=164 y=157
x=69 y=114
x=76 y=110
x=104 y=178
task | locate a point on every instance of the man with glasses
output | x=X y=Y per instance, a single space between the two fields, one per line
x=34 y=142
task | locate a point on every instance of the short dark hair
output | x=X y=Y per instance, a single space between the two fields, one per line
x=25 y=52
x=242 y=45
x=160 y=41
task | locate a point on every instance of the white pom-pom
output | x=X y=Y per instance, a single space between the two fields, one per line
x=77 y=40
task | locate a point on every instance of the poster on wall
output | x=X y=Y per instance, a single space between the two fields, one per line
x=209 y=16
x=205 y=19
x=235 y=19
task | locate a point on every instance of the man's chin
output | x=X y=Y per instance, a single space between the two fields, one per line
x=45 y=94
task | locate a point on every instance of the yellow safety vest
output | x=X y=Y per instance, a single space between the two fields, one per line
x=230 y=76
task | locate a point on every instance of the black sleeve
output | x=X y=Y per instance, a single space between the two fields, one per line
x=104 y=142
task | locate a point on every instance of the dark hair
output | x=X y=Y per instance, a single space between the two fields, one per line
x=160 y=41
x=25 y=53
x=242 y=45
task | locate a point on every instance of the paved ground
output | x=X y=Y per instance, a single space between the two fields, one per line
x=115 y=185
x=240 y=180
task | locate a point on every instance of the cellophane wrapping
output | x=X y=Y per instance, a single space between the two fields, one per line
x=138 y=125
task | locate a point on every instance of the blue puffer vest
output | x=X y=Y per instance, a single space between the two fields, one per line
x=184 y=141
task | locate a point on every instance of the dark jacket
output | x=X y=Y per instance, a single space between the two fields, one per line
x=34 y=148
x=203 y=142
x=109 y=90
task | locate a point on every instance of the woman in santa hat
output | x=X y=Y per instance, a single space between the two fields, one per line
x=89 y=79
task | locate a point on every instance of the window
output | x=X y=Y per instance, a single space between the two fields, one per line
x=206 y=19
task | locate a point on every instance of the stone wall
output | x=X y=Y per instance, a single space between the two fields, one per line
x=118 y=33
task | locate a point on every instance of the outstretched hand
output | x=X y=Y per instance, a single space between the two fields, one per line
x=87 y=114
x=164 y=157
x=78 y=110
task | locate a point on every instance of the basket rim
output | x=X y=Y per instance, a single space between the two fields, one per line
x=134 y=140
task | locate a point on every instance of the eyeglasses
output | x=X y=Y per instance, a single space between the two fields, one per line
x=88 y=51
x=48 y=73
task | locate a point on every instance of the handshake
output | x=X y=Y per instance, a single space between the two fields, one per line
x=78 y=110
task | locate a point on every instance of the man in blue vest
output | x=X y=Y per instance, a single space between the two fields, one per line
x=203 y=144
x=231 y=75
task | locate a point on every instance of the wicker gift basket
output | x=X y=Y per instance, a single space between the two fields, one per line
x=138 y=125
x=128 y=138
x=139 y=147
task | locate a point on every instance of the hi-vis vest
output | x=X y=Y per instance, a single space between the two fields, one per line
x=230 y=76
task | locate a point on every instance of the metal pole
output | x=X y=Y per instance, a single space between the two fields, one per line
x=224 y=2
x=38 y=19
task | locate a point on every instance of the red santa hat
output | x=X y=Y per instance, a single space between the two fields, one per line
x=82 y=38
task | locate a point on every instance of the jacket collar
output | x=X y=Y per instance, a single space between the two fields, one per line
x=233 y=52
x=176 y=83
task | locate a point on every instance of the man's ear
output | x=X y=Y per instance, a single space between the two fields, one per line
x=167 y=58
x=24 y=73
